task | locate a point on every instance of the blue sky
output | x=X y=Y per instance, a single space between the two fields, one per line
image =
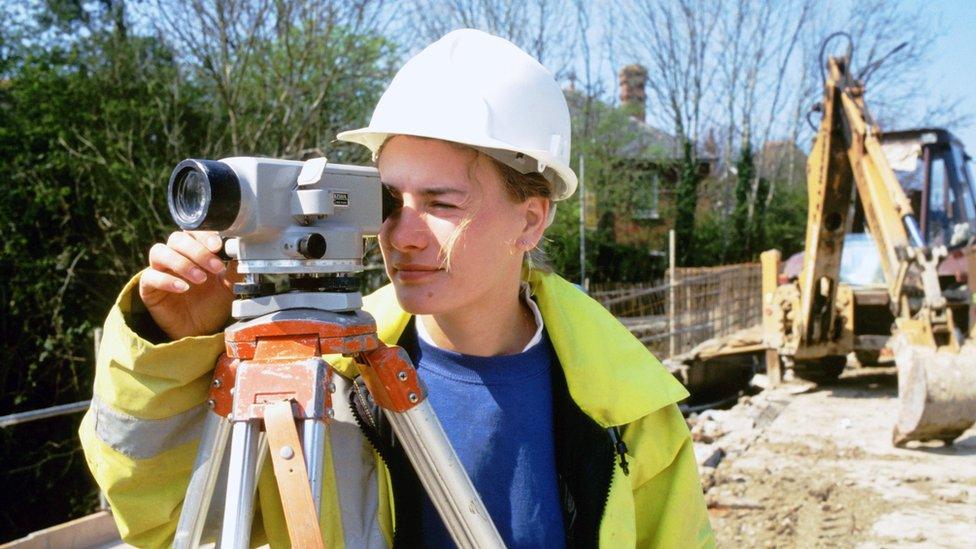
x=949 y=70
x=953 y=66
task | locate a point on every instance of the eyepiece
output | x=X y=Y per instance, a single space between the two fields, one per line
x=204 y=195
x=312 y=246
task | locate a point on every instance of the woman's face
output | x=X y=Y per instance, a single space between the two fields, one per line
x=440 y=201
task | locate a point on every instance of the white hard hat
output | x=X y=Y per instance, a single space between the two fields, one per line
x=480 y=90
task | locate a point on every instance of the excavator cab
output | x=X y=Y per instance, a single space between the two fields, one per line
x=936 y=175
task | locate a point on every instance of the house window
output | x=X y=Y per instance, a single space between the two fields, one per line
x=646 y=206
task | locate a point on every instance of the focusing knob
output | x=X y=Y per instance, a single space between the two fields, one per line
x=312 y=246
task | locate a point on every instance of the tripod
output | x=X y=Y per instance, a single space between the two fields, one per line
x=273 y=375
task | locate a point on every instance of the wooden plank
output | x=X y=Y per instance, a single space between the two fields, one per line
x=96 y=530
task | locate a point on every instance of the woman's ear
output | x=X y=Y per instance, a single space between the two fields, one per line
x=536 y=210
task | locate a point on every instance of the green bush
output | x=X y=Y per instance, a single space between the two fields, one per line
x=92 y=120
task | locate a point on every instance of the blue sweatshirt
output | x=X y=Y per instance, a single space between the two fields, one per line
x=497 y=413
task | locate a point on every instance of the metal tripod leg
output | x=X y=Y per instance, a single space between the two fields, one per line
x=443 y=477
x=213 y=444
x=280 y=354
x=239 y=510
x=313 y=447
x=393 y=383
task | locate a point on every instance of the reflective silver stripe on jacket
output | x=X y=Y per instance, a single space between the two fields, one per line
x=355 y=474
x=145 y=438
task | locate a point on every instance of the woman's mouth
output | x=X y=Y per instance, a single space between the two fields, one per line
x=410 y=272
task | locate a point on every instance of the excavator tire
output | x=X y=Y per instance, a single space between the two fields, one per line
x=868 y=358
x=936 y=392
x=821 y=371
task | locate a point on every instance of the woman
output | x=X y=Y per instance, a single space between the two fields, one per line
x=566 y=424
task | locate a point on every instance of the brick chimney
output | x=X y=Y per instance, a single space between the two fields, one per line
x=633 y=79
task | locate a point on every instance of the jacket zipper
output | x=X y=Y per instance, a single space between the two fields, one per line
x=620 y=446
x=374 y=438
x=369 y=433
x=611 y=462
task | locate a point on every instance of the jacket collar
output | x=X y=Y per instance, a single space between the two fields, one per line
x=611 y=375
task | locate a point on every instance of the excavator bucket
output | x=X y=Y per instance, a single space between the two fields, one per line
x=936 y=391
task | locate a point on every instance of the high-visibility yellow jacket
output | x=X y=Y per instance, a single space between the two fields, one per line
x=140 y=435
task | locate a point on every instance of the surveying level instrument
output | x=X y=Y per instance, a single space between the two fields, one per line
x=272 y=392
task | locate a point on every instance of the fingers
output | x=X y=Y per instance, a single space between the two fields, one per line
x=211 y=239
x=198 y=247
x=165 y=259
x=185 y=258
x=151 y=279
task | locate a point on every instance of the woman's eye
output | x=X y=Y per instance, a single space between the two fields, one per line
x=442 y=205
x=392 y=201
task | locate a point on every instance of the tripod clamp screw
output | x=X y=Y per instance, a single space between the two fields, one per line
x=413 y=397
x=402 y=376
x=216 y=384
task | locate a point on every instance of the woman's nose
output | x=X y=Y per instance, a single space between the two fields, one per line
x=406 y=230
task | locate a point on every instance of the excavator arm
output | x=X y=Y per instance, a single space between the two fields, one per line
x=847 y=150
x=936 y=364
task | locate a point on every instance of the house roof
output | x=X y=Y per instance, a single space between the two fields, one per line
x=644 y=140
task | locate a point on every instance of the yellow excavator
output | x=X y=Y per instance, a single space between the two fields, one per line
x=921 y=308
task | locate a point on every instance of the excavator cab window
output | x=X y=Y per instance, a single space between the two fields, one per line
x=950 y=216
x=936 y=176
x=962 y=165
x=937 y=219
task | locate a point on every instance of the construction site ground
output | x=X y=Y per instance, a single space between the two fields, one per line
x=807 y=466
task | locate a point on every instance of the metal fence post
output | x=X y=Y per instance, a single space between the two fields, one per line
x=671 y=282
x=582 y=221
x=97 y=337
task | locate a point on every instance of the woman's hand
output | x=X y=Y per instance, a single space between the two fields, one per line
x=187 y=288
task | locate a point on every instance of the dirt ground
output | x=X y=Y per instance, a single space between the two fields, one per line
x=814 y=467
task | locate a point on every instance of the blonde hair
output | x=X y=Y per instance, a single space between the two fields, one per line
x=518 y=187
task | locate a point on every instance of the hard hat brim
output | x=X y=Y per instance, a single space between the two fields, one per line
x=565 y=184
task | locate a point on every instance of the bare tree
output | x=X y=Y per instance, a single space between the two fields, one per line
x=731 y=60
x=544 y=28
x=287 y=73
x=673 y=38
x=590 y=93
x=778 y=65
x=776 y=32
x=892 y=45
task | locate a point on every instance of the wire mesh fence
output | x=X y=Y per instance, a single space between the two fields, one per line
x=703 y=303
